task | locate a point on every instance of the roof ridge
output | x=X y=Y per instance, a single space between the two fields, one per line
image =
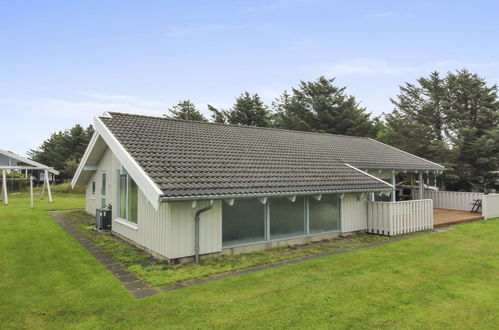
x=233 y=125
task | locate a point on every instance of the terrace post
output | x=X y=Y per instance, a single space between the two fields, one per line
x=48 y=185
x=421 y=185
x=4 y=188
x=394 y=197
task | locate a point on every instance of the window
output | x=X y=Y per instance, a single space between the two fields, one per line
x=103 y=189
x=287 y=218
x=93 y=188
x=324 y=215
x=250 y=221
x=127 y=197
x=244 y=222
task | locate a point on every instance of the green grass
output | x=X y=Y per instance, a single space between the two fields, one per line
x=445 y=280
x=158 y=273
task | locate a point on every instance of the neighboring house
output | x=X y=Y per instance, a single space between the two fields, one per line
x=13 y=162
x=251 y=187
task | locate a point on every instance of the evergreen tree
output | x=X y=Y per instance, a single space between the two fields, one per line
x=320 y=106
x=248 y=110
x=418 y=122
x=186 y=110
x=452 y=121
x=63 y=150
x=217 y=116
x=472 y=109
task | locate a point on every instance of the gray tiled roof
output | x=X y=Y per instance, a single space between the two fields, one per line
x=187 y=158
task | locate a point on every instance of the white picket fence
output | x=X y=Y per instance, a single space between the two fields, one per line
x=452 y=200
x=490 y=206
x=393 y=218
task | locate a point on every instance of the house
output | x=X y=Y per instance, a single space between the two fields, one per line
x=13 y=162
x=183 y=188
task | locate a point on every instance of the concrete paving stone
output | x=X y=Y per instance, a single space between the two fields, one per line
x=135 y=285
x=128 y=278
x=120 y=272
x=143 y=293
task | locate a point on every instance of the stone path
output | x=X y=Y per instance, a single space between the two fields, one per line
x=133 y=284
x=140 y=289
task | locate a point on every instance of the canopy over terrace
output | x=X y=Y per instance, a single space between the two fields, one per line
x=10 y=161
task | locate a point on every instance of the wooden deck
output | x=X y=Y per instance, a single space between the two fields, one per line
x=442 y=217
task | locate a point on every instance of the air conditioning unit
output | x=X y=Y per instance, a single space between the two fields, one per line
x=103 y=219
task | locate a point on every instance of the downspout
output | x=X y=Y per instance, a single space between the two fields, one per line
x=196 y=230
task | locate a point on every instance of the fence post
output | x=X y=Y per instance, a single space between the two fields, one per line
x=31 y=190
x=4 y=188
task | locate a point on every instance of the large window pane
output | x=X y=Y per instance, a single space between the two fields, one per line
x=132 y=200
x=103 y=190
x=287 y=219
x=244 y=222
x=122 y=196
x=324 y=215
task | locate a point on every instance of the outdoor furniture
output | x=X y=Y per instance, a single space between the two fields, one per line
x=406 y=194
x=476 y=205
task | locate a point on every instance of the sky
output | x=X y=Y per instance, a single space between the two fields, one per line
x=64 y=62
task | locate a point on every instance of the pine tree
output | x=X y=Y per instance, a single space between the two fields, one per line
x=64 y=149
x=320 y=106
x=418 y=122
x=452 y=121
x=217 y=116
x=472 y=109
x=248 y=110
x=186 y=110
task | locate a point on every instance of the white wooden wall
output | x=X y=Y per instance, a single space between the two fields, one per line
x=353 y=213
x=490 y=206
x=181 y=233
x=393 y=218
x=152 y=226
x=452 y=200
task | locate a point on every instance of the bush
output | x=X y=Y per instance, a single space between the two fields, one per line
x=66 y=188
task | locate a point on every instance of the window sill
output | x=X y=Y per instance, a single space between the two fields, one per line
x=92 y=197
x=127 y=223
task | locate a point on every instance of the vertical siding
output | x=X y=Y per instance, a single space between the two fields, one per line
x=105 y=164
x=393 y=218
x=152 y=227
x=181 y=238
x=353 y=213
x=490 y=206
x=90 y=201
x=452 y=200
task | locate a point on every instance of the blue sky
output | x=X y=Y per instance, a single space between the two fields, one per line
x=63 y=62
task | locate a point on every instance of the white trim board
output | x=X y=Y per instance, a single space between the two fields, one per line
x=84 y=159
x=369 y=175
x=150 y=190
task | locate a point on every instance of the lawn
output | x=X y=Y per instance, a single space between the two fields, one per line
x=444 y=280
x=159 y=273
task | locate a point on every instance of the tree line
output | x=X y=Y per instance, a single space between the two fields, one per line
x=451 y=119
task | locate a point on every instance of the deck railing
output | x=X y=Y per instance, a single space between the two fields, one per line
x=452 y=200
x=393 y=218
x=490 y=206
